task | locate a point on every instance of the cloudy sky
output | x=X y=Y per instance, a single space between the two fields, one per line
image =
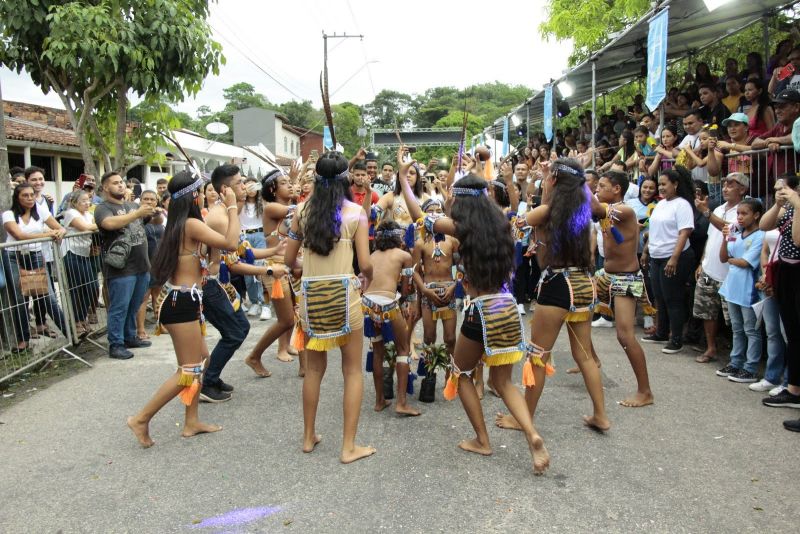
x=409 y=47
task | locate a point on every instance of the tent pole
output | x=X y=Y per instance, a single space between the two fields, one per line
x=766 y=41
x=528 y=123
x=594 y=111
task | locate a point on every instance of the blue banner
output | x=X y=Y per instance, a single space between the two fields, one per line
x=505 y=137
x=548 y=112
x=327 y=142
x=657 y=59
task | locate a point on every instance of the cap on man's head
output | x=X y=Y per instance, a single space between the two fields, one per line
x=738 y=177
x=737 y=117
x=788 y=96
x=371 y=157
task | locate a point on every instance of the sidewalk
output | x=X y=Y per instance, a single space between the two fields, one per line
x=707 y=457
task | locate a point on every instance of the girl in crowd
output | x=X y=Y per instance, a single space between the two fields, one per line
x=741 y=249
x=758 y=108
x=210 y=197
x=250 y=217
x=492 y=324
x=667 y=150
x=180 y=266
x=566 y=292
x=154 y=230
x=627 y=152
x=25 y=221
x=331 y=228
x=669 y=256
x=81 y=277
x=276 y=192
x=785 y=216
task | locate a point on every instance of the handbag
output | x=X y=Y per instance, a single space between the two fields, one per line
x=33 y=283
x=118 y=251
x=771 y=269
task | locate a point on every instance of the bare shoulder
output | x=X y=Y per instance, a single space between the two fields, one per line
x=217 y=218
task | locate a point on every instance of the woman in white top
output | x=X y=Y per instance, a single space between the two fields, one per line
x=250 y=218
x=669 y=255
x=24 y=221
x=82 y=280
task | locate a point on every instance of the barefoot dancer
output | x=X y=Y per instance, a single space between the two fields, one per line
x=435 y=261
x=492 y=323
x=180 y=311
x=566 y=290
x=278 y=212
x=331 y=229
x=382 y=317
x=621 y=279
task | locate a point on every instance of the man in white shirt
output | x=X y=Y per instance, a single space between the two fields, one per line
x=712 y=272
x=693 y=123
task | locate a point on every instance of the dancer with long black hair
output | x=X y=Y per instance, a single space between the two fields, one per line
x=331 y=228
x=492 y=324
x=180 y=265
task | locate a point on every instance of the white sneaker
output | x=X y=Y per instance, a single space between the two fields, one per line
x=254 y=310
x=521 y=309
x=602 y=322
x=761 y=385
x=777 y=390
x=266 y=314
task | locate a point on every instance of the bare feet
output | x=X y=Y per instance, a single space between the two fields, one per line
x=706 y=357
x=285 y=357
x=405 y=409
x=308 y=445
x=293 y=351
x=142 y=335
x=380 y=405
x=356 y=453
x=256 y=365
x=199 y=428
x=473 y=445
x=597 y=423
x=573 y=370
x=638 y=400
x=506 y=421
x=541 y=458
x=141 y=431
x=491 y=388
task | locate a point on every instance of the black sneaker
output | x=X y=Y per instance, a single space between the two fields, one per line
x=227 y=388
x=672 y=348
x=743 y=377
x=728 y=370
x=792 y=425
x=118 y=352
x=213 y=394
x=654 y=339
x=137 y=343
x=784 y=399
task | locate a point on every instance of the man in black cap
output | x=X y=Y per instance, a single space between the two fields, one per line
x=787 y=110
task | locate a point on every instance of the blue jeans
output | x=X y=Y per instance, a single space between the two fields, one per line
x=233 y=326
x=255 y=292
x=125 y=294
x=746 y=350
x=776 y=346
x=83 y=286
x=42 y=305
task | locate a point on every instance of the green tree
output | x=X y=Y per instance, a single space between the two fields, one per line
x=347 y=120
x=589 y=23
x=302 y=114
x=389 y=109
x=93 y=54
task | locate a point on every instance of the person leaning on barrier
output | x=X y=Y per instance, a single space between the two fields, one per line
x=23 y=221
x=787 y=110
x=81 y=277
x=120 y=223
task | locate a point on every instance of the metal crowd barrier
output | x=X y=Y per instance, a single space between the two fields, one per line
x=764 y=167
x=36 y=321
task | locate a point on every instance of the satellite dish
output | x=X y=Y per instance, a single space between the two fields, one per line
x=217 y=128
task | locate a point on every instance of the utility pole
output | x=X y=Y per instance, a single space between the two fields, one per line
x=325 y=38
x=5 y=185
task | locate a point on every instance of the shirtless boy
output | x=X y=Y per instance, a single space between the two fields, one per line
x=390 y=263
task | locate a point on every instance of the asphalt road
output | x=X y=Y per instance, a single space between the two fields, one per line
x=707 y=457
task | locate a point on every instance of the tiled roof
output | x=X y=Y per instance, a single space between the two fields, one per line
x=24 y=130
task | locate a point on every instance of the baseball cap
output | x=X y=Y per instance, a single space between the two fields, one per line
x=736 y=117
x=371 y=157
x=739 y=177
x=787 y=96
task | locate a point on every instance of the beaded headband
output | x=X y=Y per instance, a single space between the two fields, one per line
x=397 y=232
x=341 y=176
x=430 y=202
x=569 y=170
x=274 y=175
x=468 y=192
x=498 y=183
x=194 y=186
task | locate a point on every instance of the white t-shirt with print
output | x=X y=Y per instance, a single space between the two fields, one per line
x=33 y=226
x=711 y=264
x=80 y=245
x=669 y=217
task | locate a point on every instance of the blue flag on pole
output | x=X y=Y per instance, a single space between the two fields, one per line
x=657 y=59
x=327 y=141
x=505 y=137
x=548 y=112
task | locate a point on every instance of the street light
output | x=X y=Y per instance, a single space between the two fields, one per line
x=711 y=5
x=566 y=89
x=515 y=120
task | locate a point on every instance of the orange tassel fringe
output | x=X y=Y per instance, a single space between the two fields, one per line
x=528 y=378
x=277 y=289
x=298 y=341
x=549 y=370
x=188 y=393
x=451 y=389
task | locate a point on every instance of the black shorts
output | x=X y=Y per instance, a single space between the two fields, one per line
x=179 y=307
x=471 y=327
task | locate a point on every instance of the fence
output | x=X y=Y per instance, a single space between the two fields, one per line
x=49 y=300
